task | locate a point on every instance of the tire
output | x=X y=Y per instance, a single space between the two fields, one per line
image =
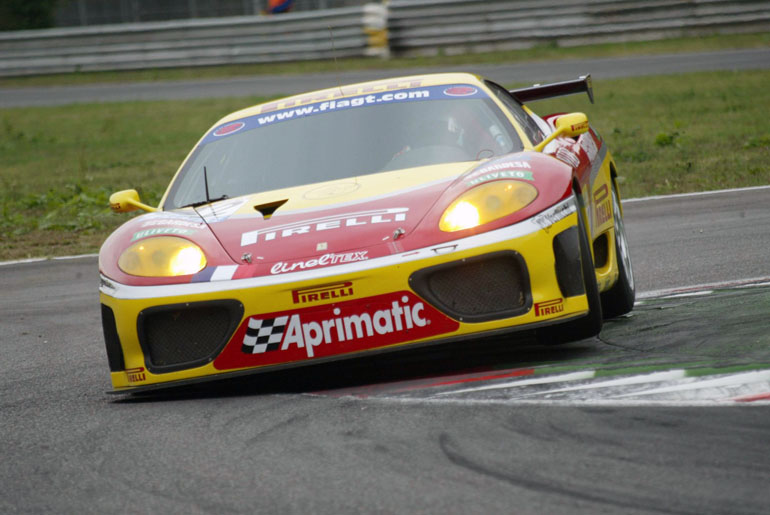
x=619 y=299
x=591 y=324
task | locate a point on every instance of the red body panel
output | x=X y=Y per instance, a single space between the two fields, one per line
x=330 y=329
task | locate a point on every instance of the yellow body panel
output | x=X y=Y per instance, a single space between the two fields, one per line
x=601 y=221
x=341 y=191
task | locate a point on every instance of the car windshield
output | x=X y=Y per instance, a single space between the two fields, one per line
x=344 y=138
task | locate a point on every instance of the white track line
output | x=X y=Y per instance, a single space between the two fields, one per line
x=38 y=260
x=656 y=377
x=702 y=384
x=704 y=289
x=759 y=379
x=574 y=376
x=615 y=403
x=695 y=194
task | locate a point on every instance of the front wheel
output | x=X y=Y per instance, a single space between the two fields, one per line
x=619 y=299
x=589 y=325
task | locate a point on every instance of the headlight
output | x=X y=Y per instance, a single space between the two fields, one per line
x=486 y=203
x=163 y=256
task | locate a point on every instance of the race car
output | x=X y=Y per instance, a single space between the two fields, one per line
x=367 y=218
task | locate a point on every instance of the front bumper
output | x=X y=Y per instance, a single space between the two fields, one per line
x=518 y=277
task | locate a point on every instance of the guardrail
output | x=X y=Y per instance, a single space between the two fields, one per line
x=403 y=27
x=344 y=32
x=427 y=27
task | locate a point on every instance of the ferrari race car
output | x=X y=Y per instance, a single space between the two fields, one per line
x=367 y=218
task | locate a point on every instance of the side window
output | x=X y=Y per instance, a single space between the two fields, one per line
x=530 y=126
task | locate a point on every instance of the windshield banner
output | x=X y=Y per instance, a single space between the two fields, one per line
x=442 y=92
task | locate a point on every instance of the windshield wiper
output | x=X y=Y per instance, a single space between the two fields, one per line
x=208 y=200
x=204 y=202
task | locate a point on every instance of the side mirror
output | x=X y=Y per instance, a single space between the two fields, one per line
x=571 y=125
x=574 y=124
x=126 y=201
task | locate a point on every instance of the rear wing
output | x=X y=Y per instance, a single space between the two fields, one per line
x=557 y=89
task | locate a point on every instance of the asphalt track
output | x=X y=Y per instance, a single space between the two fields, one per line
x=505 y=73
x=666 y=412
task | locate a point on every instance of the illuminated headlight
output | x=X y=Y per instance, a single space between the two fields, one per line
x=163 y=256
x=486 y=203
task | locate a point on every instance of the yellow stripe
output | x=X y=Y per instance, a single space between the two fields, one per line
x=355 y=189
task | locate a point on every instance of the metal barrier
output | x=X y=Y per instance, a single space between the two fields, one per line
x=69 y=13
x=427 y=27
x=352 y=31
x=403 y=27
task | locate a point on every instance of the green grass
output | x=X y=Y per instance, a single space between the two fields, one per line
x=547 y=51
x=668 y=134
x=60 y=164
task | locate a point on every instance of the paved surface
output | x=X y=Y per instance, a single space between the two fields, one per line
x=435 y=431
x=506 y=73
x=697 y=239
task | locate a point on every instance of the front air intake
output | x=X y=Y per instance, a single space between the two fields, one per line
x=477 y=289
x=182 y=336
x=601 y=251
x=569 y=271
x=112 y=340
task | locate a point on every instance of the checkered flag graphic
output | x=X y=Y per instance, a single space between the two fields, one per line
x=263 y=335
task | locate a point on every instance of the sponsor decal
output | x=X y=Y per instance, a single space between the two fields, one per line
x=601 y=193
x=504 y=165
x=504 y=174
x=220 y=211
x=324 y=292
x=299 y=108
x=331 y=329
x=174 y=222
x=331 y=190
x=549 y=307
x=376 y=216
x=460 y=91
x=579 y=126
x=285 y=332
x=588 y=145
x=602 y=205
x=264 y=334
x=230 y=128
x=553 y=215
x=135 y=375
x=337 y=93
x=177 y=231
x=564 y=155
x=215 y=273
x=342 y=104
x=282 y=267
x=603 y=213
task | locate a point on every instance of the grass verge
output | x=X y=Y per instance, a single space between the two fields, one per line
x=669 y=134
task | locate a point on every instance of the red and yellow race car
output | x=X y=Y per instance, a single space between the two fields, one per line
x=366 y=218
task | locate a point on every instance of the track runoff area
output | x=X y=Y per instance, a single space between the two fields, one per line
x=696 y=345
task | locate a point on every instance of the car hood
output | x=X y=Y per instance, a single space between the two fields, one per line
x=336 y=218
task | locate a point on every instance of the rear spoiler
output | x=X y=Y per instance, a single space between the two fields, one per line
x=557 y=89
